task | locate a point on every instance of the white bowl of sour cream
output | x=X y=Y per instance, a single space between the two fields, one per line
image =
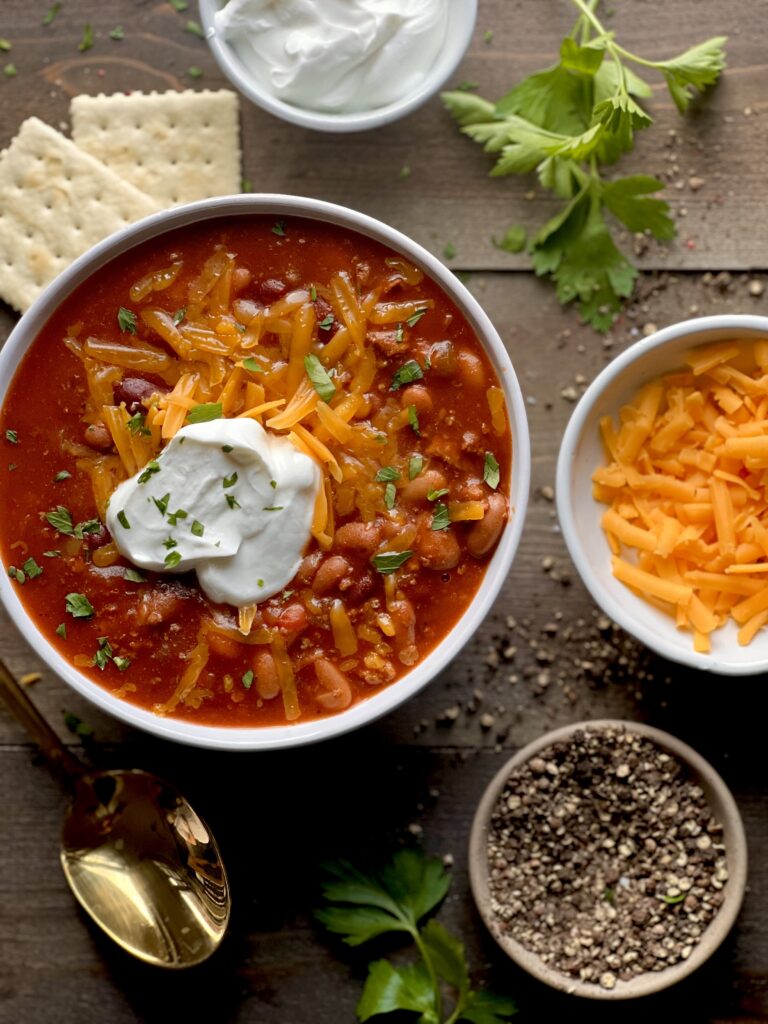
x=338 y=65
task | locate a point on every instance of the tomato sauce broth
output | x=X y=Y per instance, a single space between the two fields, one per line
x=44 y=406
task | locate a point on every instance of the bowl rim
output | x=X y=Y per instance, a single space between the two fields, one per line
x=465 y=13
x=721 y=802
x=242 y=738
x=655 y=640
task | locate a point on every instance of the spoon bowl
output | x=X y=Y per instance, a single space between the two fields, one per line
x=145 y=867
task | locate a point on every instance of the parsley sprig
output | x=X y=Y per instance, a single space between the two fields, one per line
x=566 y=123
x=362 y=906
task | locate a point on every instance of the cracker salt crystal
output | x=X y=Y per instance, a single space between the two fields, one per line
x=55 y=203
x=175 y=146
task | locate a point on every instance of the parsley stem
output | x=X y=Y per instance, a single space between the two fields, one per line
x=435 y=981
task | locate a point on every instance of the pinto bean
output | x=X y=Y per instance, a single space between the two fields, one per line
x=97 y=436
x=158 y=605
x=223 y=646
x=418 y=396
x=308 y=566
x=363 y=537
x=330 y=574
x=471 y=369
x=438 y=549
x=292 y=619
x=337 y=693
x=241 y=278
x=265 y=671
x=418 y=488
x=484 y=534
x=471 y=488
x=442 y=358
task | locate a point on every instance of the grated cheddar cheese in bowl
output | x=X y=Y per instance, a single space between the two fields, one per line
x=663 y=492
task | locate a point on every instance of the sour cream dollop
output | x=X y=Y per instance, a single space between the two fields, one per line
x=338 y=56
x=226 y=498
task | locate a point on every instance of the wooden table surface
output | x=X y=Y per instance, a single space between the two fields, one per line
x=418 y=770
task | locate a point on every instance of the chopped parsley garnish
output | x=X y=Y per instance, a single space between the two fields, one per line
x=491 y=471
x=227 y=448
x=380 y=439
x=198 y=529
x=76 y=725
x=51 y=554
x=12 y=466
x=12 y=436
x=117 y=33
x=278 y=228
x=134 y=576
x=174 y=517
x=172 y=559
x=169 y=543
x=122 y=518
x=415 y=466
x=449 y=250
x=273 y=508
x=413 y=419
x=312 y=293
x=121 y=663
x=87 y=41
x=136 y=425
x=126 y=320
x=389 y=561
x=5 y=45
x=60 y=518
x=79 y=607
x=17 y=574
x=88 y=526
x=195 y=29
x=161 y=504
x=61 y=630
x=51 y=13
x=327 y=322
x=415 y=317
x=435 y=494
x=179 y=315
x=31 y=568
x=151 y=467
x=240 y=327
x=10 y=71
x=103 y=656
x=232 y=501
x=179 y=5
x=204 y=412
x=387 y=473
x=273 y=484
x=390 y=493
x=399 y=332
x=195 y=72
x=230 y=481
x=441 y=518
x=318 y=376
x=251 y=364
x=63 y=474
x=248 y=678
x=407 y=374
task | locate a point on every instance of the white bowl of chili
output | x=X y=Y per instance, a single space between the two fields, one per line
x=52 y=508
x=689 y=452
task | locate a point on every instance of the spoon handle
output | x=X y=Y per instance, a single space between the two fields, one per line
x=64 y=764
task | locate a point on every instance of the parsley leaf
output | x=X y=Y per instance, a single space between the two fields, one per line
x=204 y=412
x=172 y=559
x=117 y=33
x=79 y=607
x=390 y=493
x=251 y=364
x=388 y=988
x=63 y=474
x=512 y=241
x=195 y=28
x=407 y=374
x=437 y=493
x=136 y=425
x=121 y=663
x=414 y=318
x=626 y=198
x=61 y=630
x=134 y=576
x=413 y=419
x=387 y=473
x=51 y=13
x=491 y=471
x=60 y=518
x=697 y=68
x=415 y=465
x=233 y=502
x=31 y=568
x=151 y=467
x=86 y=42
x=229 y=481
x=126 y=320
x=278 y=228
x=319 y=378
x=161 y=504
x=179 y=315
x=441 y=518
x=247 y=679
x=12 y=436
x=197 y=528
x=389 y=561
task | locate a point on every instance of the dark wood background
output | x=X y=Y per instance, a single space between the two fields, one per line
x=417 y=771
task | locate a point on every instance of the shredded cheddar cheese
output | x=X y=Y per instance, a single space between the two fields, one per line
x=686 y=482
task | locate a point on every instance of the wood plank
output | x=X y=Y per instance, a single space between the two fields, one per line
x=355 y=798
x=448 y=197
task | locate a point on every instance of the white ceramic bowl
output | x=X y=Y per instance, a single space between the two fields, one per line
x=461 y=22
x=581 y=452
x=231 y=738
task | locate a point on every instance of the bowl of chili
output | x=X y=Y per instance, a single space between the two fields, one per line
x=280 y=318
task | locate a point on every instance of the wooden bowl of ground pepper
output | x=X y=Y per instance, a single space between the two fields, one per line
x=608 y=859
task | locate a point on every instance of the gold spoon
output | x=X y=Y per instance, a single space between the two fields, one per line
x=137 y=857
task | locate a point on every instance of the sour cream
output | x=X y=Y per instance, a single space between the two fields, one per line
x=338 y=56
x=226 y=498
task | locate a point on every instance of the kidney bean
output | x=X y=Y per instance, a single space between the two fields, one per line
x=438 y=549
x=97 y=436
x=241 y=278
x=418 y=488
x=271 y=288
x=330 y=574
x=418 y=396
x=291 y=619
x=265 y=671
x=484 y=534
x=360 y=586
x=97 y=539
x=337 y=693
x=132 y=391
x=363 y=537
